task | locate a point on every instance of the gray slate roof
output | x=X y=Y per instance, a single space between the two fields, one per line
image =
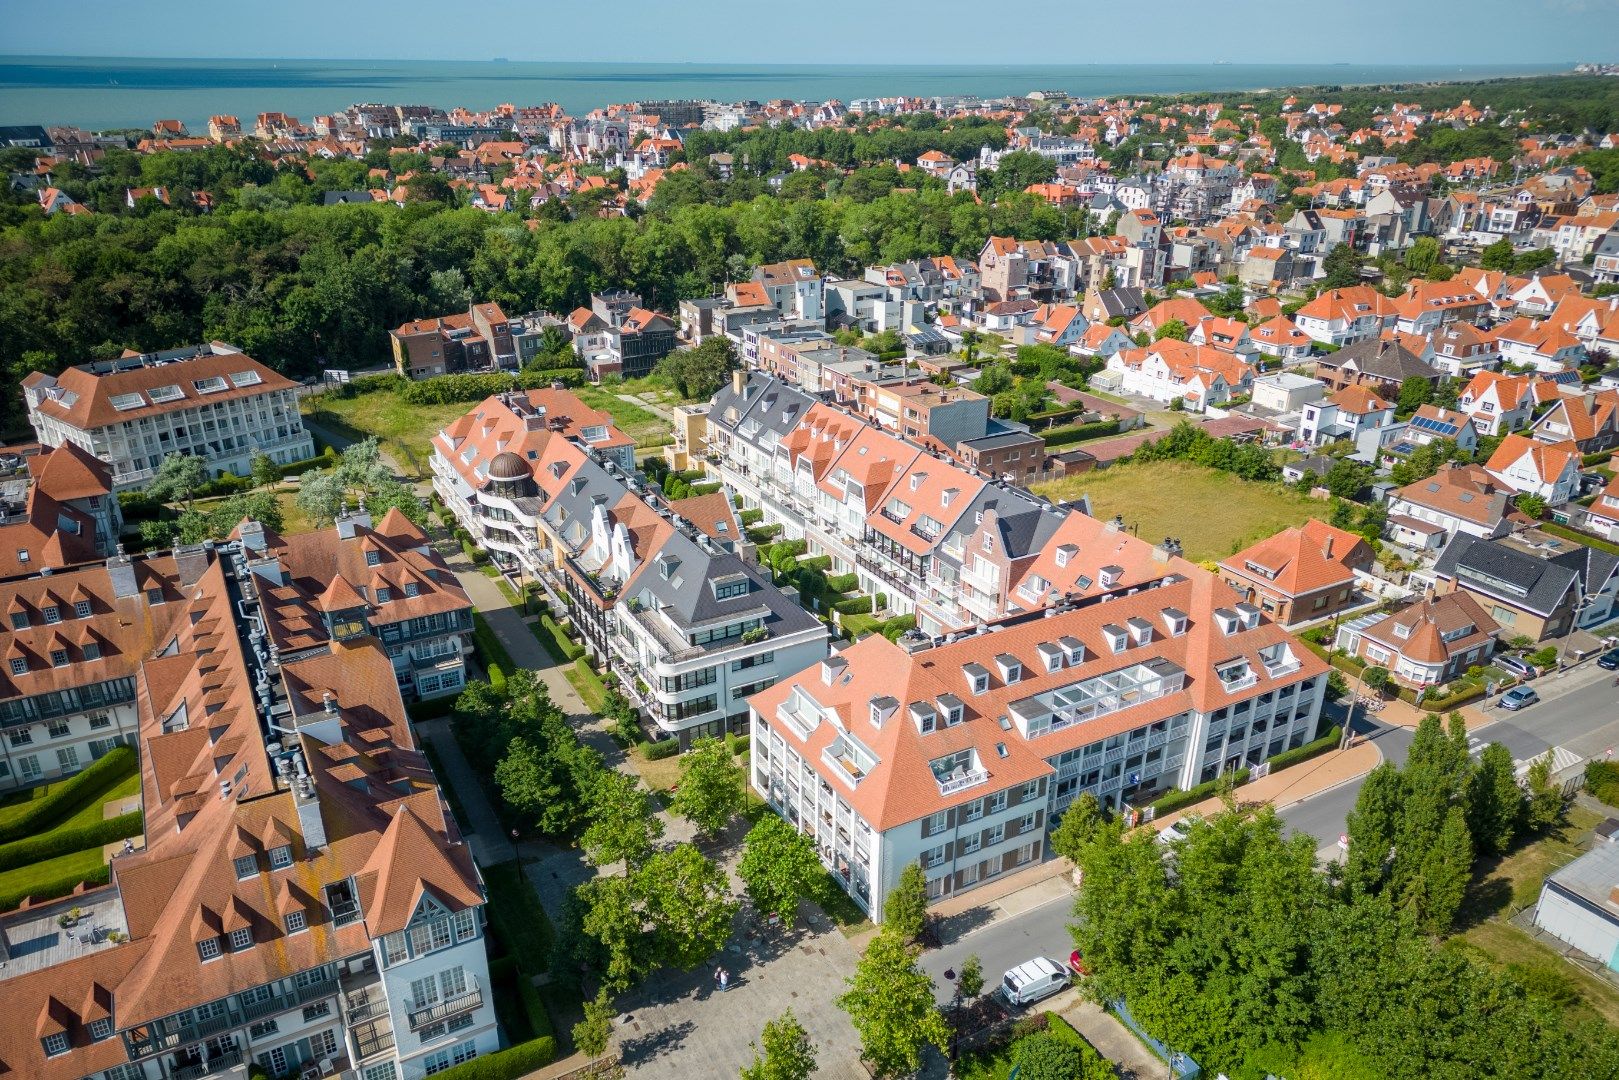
x=1519 y=579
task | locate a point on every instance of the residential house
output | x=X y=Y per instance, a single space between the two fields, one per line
x=1461 y=349
x=1602 y=516
x=1590 y=419
x=1428 y=643
x=1527 y=595
x=1348 y=412
x=1102 y=305
x=1301 y=574
x=1059 y=324
x=1285 y=392
x=480 y=340
x=1281 y=338
x=1550 y=471
x=1171 y=370
x=1498 y=403
x=1456 y=500
x=1100 y=339
x=1378 y=364
x=1345 y=316
x=1544 y=346
x=794 y=287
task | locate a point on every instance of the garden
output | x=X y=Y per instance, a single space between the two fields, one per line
x=52 y=837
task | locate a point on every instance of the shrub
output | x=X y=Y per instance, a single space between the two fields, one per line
x=663 y=748
x=72 y=794
x=506 y=1064
x=62 y=886
x=1602 y=781
x=1308 y=750
x=705 y=489
x=750 y=517
x=1177 y=800
x=821 y=563
x=842 y=583
x=737 y=744
x=497 y=679
x=488 y=646
x=58 y=842
x=556 y=640
x=431 y=709
x=543 y=377
x=763 y=534
x=326 y=459
x=1080 y=433
x=856 y=605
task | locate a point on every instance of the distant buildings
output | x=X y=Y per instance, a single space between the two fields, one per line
x=480 y=340
x=210 y=401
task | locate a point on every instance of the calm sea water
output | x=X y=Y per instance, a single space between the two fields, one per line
x=102 y=92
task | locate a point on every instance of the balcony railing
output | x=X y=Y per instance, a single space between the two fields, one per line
x=212 y=1066
x=961 y=783
x=370 y=1044
x=468 y=999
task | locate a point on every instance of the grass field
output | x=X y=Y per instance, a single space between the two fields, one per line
x=646 y=427
x=1212 y=513
x=405 y=431
x=40 y=875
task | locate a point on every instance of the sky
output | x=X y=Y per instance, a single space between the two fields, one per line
x=829 y=31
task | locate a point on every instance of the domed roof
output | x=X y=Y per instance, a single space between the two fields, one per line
x=508 y=466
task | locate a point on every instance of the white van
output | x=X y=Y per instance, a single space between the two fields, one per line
x=1033 y=980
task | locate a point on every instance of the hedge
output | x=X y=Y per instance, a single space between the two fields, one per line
x=58 y=842
x=763 y=534
x=1600 y=458
x=1602 y=781
x=842 y=583
x=488 y=646
x=737 y=744
x=431 y=709
x=1578 y=537
x=750 y=517
x=497 y=679
x=1177 y=800
x=1308 y=750
x=62 y=886
x=1080 y=433
x=72 y=794
x=1433 y=703
x=519 y=1060
x=663 y=748
x=539 y=1020
x=821 y=563
x=228 y=484
x=857 y=605
x=556 y=640
x=705 y=489
x=326 y=459
x=515 y=910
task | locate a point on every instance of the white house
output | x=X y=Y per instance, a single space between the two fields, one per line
x=1529 y=467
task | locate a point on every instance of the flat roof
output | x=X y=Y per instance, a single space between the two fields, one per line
x=1591 y=878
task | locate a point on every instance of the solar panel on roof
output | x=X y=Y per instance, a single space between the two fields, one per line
x=1429 y=423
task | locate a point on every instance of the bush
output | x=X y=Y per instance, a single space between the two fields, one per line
x=663 y=748
x=225 y=485
x=59 y=842
x=819 y=563
x=842 y=583
x=736 y=744
x=62 y=886
x=1080 y=433
x=506 y=1064
x=515 y=911
x=431 y=709
x=544 y=377
x=326 y=459
x=750 y=517
x=856 y=605
x=556 y=640
x=1177 y=800
x=1308 y=750
x=763 y=534
x=497 y=679
x=72 y=795
x=487 y=645
x=451 y=389
x=1602 y=781
x=704 y=489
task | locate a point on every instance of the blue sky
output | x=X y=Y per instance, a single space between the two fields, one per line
x=828 y=31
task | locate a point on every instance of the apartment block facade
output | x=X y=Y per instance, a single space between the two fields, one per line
x=959 y=752
x=210 y=401
x=303 y=902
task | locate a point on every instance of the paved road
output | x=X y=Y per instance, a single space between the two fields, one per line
x=1580 y=712
x=1040 y=931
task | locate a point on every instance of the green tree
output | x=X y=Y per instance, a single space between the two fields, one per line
x=970 y=980
x=178 y=478
x=1376 y=679
x=1342 y=268
x=890 y=1002
x=1372 y=827
x=623 y=823
x=1495 y=802
x=1435 y=893
x=613 y=919
x=321 y=496
x=591 y=1035
x=1173 y=328
x=1530 y=504
x=905 y=910
x=1346 y=478
x=1422 y=255
x=711 y=790
x=1077 y=827
x=687 y=901
x=698 y=373
x=1415 y=392
x=1545 y=798
x=994 y=378
x=265 y=471
x=1497 y=256
x=786 y=1054
x=779 y=867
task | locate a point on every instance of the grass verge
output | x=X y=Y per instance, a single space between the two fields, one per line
x=522 y=922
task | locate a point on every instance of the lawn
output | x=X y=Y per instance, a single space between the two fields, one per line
x=1513 y=883
x=1212 y=513
x=16 y=804
x=96 y=811
x=997 y=1064
x=405 y=431
x=49 y=876
x=646 y=427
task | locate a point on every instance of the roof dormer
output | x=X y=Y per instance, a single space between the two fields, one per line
x=1174 y=621
x=831 y=668
x=1140 y=630
x=1117 y=637
x=1248 y=614
x=924 y=716
x=1227 y=620
x=1010 y=667
x=1073 y=650
x=882 y=708
x=1111 y=576
x=977 y=677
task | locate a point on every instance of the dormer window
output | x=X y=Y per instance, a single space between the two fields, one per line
x=241 y=938
x=1111 y=576
x=373 y=557
x=881 y=709
x=1140 y=630
x=246 y=866
x=295 y=921
x=925 y=716
x=384 y=595
x=55 y=1043
x=1118 y=639
x=977 y=678
x=1011 y=668
x=952 y=709
x=1073 y=650
x=1226 y=620
x=1050 y=656
x=1174 y=622
x=1402 y=631
x=19 y=620
x=281 y=857
x=411 y=589
x=82 y=609
x=53 y=614
x=1064 y=553
x=100 y=1028
x=208 y=948
x=59 y=658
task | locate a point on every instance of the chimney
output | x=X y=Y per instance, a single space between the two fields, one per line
x=739 y=382
x=252 y=534
x=328 y=701
x=191 y=563
x=1327 y=548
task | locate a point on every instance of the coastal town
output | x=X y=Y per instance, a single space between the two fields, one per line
x=1048 y=586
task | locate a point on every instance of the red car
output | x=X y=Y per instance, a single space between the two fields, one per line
x=1076 y=963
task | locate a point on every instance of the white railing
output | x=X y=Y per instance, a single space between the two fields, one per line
x=961 y=783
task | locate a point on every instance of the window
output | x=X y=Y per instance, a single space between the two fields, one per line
x=58 y=658
x=996 y=834
x=425 y=937
x=263 y=1028
x=1026 y=823
x=462 y=1022
x=997 y=802
x=55 y=1043
x=68 y=758
x=394 y=949
x=58 y=728
x=281 y=857
x=296 y=921
x=208 y=948
x=91 y=650
x=317 y=1010
x=19 y=666
x=465 y=923
x=384 y=1071
x=411 y=588
x=53 y=614
x=81 y=609
x=938 y=823
x=1030 y=790
x=969 y=844
x=241 y=939
x=247 y=866
x=100 y=1028
x=19 y=620
x=933 y=856
x=431 y=1032
x=975 y=809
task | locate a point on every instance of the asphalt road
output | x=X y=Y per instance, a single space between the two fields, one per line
x=1000 y=946
x=1579 y=711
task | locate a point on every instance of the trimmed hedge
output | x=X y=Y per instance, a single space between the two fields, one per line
x=842 y=583
x=59 y=842
x=1178 y=800
x=663 y=748
x=821 y=563
x=1080 y=433
x=497 y=679
x=431 y=709
x=72 y=794
x=705 y=489
x=326 y=459
x=736 y=744
x=556 y=640
x=750 y=517
x=50 y=890
x=1309 y=750
x=539 y=1020
x=488 y=646
x=763 y=534
x=508 y=1064
x=857 y=605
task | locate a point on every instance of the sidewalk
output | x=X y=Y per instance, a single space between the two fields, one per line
x=1302 y=781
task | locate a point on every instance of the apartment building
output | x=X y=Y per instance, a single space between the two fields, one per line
x=479 y=340
x=899 y=516
x=959 y=752
x=304 y=903
x=59 y=514
x=211 y=401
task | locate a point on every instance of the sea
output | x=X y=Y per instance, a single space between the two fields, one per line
x=99 y=93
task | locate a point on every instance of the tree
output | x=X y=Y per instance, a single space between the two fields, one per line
x=1173 y=328
x=1342 y=267
x=779 y=866
x=699 y=373
x=905 y=910
x=890 y=1002
x=970 y=980
x=1497 y=256
x=994 y=378
x=1545 y=799
x=624 y=825
x=1077 y=826
x=1346 y=478
x=1043 y=1055
x=1495 y=802
x=178 y=478
x=787 y=1053
x=1422 y=255
x=1376 y=679
x=265 y=471
x=1372 y=826
x=1436 y=892
x=711 y=790
x=1415 y=392
x=687 y=901
x=590 y=1035
x=612 y=919
x=1530 y=504
x=321 y=496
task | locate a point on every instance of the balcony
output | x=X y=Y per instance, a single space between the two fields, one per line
x=211 y=1067
x=963 y=781
x=469 y=999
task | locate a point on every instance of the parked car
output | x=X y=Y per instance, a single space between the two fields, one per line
x=1609 y=660
x=1033 y=980
x=1515 y=665
x=1076 y=964
x=1519 y=697
x=1177 y=830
